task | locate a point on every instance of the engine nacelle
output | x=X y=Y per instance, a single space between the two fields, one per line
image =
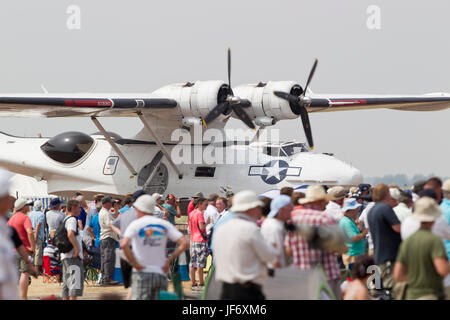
x=264 y=121
x=265 y=104
x=197 y=99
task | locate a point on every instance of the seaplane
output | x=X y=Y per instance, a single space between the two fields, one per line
x=163 y=156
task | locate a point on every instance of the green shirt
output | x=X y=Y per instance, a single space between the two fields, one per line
x=349 y=227
x=417 y=253
x=172 y=212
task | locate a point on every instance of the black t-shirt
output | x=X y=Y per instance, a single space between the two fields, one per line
x=386 y=241
x=15 y=238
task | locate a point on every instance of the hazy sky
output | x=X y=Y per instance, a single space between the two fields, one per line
x=139 y=46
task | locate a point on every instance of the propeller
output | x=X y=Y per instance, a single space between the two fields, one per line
x=301 y=102
x=231 y=103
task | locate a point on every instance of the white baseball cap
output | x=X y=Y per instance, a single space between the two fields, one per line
x=145 y=203
x=156 y=196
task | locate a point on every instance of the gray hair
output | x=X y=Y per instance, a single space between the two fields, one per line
x=405 y=197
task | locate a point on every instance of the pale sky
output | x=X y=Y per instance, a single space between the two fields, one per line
x=139 y=46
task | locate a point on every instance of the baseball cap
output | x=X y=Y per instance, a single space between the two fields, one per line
x=137 y=194
x=107 y=199
x=21 y=202
x=350 y=204
x=277 y=203
x=362 y=187
x=156 y=196
x=337 y=192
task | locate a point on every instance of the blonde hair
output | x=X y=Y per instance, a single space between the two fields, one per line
x=379 y=192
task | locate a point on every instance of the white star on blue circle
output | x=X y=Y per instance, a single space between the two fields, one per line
x=274 y=171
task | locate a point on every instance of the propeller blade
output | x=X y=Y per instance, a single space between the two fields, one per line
x=243 y=116
x=311 y=74
x=244 y=103
x=306 y=126
x=229 y=67
x=214 y=113
x=286 y=96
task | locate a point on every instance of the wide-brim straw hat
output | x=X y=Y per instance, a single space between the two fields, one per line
x=315 y=193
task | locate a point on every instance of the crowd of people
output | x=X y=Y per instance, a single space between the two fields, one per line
x=403 y=235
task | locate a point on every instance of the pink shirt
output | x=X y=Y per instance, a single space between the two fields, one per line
x=195 y=218
x=21 y=222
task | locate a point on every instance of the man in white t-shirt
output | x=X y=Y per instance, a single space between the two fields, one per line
x=272 y=228
x=72 y=261
x=148 y=237
x=211 y=215
x=160 y=211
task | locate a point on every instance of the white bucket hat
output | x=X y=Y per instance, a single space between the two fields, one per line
x=426 y=210
x=21 y=202
x=315 y=193
x=145 y=203
x=245 y=200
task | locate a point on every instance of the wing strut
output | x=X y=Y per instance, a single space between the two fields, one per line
x=113 y=145
x=160 y=145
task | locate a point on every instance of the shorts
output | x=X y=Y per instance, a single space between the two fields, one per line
x=147 y=286
x=199 y=253
x=73 y=277
x=127 y=270
x=22 y=265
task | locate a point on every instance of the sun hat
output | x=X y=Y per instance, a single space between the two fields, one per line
x=337 y=192
x=21 y=202
x=145 y=203
x=55 y=202
x=395 y=194
x=245 y=200
x=426 y=210
x=156 y=196
x=350 y=204
x=315 y=193
x=277 y=203
x=446 y=186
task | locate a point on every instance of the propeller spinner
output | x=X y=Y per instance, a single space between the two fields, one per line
x=301 y=102
x=231 y=103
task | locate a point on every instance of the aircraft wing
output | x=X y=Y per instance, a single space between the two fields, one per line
x=86 y=106
x=428 y=102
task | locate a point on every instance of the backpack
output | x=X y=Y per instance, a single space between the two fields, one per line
x=60 y=239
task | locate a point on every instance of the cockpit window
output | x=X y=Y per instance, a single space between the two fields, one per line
x=291 y=149
x=272 y=151
x=68 y=147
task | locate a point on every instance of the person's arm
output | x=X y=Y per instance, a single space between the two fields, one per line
x=125 y=246
x=441 y=265
x=31 y=239
x=177 y=206
x=27 y=258
x=90 y=232
x=182 y=245
x=264 y=251
x=80 y=224
x=396 y=228
x=400 y=272
x=201 y=223
x=360 y=236
x=74 y=242
x=115 y=229
x=38 y=228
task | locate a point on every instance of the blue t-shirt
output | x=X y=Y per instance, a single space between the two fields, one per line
x=36 y=217
x=172 y=212
x=349 y=227
x=124 y=209
x=445 y=206
x=82 y=216
x=95 y=225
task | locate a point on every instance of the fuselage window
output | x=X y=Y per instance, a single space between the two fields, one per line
x=205 y=172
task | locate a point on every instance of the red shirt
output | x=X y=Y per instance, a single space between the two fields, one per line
x=21 y=222
x=196 y=217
